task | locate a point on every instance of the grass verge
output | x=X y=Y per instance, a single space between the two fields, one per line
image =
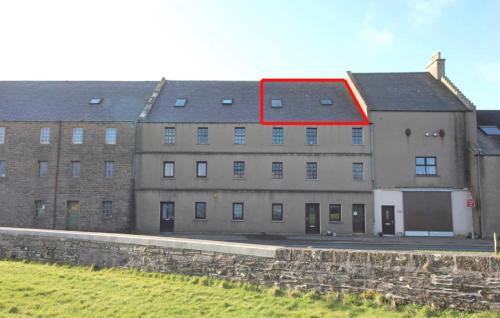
x=49 y=290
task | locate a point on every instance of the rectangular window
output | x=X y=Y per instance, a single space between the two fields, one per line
x=312 y=170
x=170 y=135
x=277 y=170
x=77 y=136
x=277 y=212
x=107 y=209
x=276 y=103
x=201 y=168
x=42 y=168
x=110 y=136
x=311 y=136
x=200 y=210
x=335 y=213
x=39 y=207
x=277 y=135
x=168 y=169
x=45 y=135
x=75 y=169
x=239 y=169
x=426 y=166
x=357 y=136
x=109 y=167
x=237 y=211
x=239 y=136
x=203 y=135
x=2 y=135
x=357 y=171
x=3 y=168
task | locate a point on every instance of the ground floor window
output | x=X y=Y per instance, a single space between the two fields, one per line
x=277 y=212
x=200 y=210
x=107 y=209
x=39 y=207
x=237 y=211
x=335 y=213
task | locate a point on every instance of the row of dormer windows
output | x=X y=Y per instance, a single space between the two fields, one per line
x=277 y=137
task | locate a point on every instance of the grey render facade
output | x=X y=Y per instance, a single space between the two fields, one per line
x=192 y=157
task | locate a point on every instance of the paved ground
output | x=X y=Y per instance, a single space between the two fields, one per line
x=356 y=243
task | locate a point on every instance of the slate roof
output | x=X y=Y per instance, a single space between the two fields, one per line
x=490 y=145
x=417 y=91
x=300 y=102
x=69 y=100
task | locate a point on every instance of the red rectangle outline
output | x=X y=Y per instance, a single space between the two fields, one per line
x=365 y=121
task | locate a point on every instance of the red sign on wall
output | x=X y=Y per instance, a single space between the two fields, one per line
x=471 y=203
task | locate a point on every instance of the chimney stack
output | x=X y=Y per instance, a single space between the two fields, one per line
x=436 y=66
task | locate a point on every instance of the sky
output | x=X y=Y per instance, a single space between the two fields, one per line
x=250 y=40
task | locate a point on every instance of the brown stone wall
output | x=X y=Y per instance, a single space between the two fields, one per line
x=456 y=281
x=22 y=186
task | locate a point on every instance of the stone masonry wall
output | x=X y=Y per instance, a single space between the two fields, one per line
x=456 y=281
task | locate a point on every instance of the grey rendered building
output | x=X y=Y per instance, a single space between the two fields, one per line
x=66 y=153
x=204 y=160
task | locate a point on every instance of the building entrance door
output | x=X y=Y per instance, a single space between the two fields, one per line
x=72 y=215
x=388 y=227
x=312 y=218
x=167 y=216
x=358 y=218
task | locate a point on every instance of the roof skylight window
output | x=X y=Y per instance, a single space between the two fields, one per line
x=276 y=103
x=95 y=100
x=490 y=130
x=326 y=102
x=180 y=102
x=227 y=101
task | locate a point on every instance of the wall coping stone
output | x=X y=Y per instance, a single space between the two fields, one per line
x=147 y=240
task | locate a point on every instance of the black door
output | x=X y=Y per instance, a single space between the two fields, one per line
x=358 y=218
x=167 y=216
x=388 y=220
x=312 y=218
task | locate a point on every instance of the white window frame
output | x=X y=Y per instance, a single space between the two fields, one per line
x=77 y=135
x=45 y=135
x=111 y=136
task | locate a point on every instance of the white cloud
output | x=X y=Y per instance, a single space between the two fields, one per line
x=377 y=37
x=426 y=12
x=489 y=71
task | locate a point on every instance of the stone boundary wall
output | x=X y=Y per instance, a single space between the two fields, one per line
x=445 y=280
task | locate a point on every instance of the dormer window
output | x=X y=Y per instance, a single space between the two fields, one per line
x=490 y=130
x=95 y=100
x=180 y=102
x=326 y=102
x=227 y=101
x=276 y=103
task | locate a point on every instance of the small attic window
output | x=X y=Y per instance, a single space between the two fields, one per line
x=180 y=102
x=95 y=100
x=490 y=130
x=326 y=102
x=227 y=101
x=276 y=103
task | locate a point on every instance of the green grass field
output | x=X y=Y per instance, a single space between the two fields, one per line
x=43 y=290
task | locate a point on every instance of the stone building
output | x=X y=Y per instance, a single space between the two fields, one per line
x=193 y=156
x=66 y=153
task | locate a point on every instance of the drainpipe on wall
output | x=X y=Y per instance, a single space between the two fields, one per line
x=476 y=156
x=54 y=217
x=373 y=177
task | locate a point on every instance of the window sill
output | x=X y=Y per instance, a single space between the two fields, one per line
x=239 y=144
x=277 y=221
x=201 y=177
x=237 y=220
x=277 y=179
x=312 y=179
x=335 y=222
x=169 y=178
x=427 y=175
x=165 y=144
x=200 y=220
x=279 y=145
x=358 y=180
x=239 y=178
x=311 y=144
